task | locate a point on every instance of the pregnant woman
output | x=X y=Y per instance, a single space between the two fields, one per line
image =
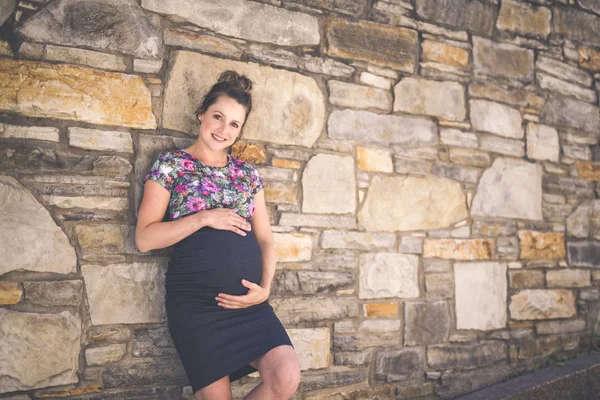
x=223 y=260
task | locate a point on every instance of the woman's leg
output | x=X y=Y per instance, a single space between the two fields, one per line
x=280 y=373
x=219 y=390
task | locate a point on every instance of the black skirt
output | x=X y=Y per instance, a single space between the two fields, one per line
x=213 y=342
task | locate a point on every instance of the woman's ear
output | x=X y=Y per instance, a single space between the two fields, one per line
x=199 y=116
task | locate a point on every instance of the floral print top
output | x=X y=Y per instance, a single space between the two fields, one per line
x=195 y=186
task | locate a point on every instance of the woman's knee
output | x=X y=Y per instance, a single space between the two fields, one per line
x=286 y=379
x=219 y=390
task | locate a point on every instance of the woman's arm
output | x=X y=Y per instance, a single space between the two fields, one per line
x=151 y=233
x=262 y=230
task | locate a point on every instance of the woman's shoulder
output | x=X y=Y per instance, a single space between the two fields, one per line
x=238 y=163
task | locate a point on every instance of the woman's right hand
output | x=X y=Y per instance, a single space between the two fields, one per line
x=225 y=219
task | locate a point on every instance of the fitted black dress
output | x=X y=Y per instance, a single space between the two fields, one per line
x=213 y=342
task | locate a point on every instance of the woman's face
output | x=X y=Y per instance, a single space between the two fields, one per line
x=221 y=124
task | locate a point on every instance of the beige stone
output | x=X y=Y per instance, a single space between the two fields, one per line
x=45 y=133
x=30 y=239
x=94 y=202
x=107 y=237
x=282 y=163
x=291 y=109
x=563 y=71
x=410 y=203
x=381 y=82
x=542 y=304
x=496 y=118
x=382 y=45
x=589 y=171
x=345 y=94
x=75 y=93
x=560 y=326
x=459 y=249
x=439 y=99
x=317 y=221
x=312 y=346
x=329 y=185
x=524 y=19
x=526 y=279
x=589 y=59
x=374 y=160
x=39 y=350
x=204 y=42
x=293 y=310
x=54 y=293
x=500 y=145
x=388 y=275
x=376 y=310
x=147 y=66
x=245 y=20
x=10 y=292
x=105 y=354
x=542 y=142
x=445 y=53
x=333 y=239
x=469 y=157
x=502 y=60
x=94 y=139
x=480 y=292
x=455 y=137
x=542 y=245
x=568 y=278
x=124 y=293
x=281 y=193
x=293 y=246
x=89 y=58
x=568 y=89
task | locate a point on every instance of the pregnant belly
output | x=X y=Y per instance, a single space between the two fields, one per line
x=213 y=261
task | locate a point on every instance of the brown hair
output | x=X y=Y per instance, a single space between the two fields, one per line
x=230 y=84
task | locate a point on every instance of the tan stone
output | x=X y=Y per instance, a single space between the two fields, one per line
x=375 y=310
x=333 y=239
x=388 y=275
x=312 y=346
x=94 y=202
x=382 y=45
x=105 y=354
x=345 y=94
x=293 y=310
x=589 y=171
x=589 y=59
x=445 y=54
x=38 y=349
x=291 y=109
x=46 y=133
x=90 y=58
x=410 y=203
x=469 y=157
x=542 y=304
x=374 y=160
x=64 y=91
x=10 y=292
x=95 y=139
x=67 y=392
x=293 y=246
x=445 y=100
x=328 y=185
x=30 y=239
x=203 y=42
x=280 y=193
x=568 y=278
x=560 y=326
x=542 y=245
x=524 y=18
x=526 y=279
x=459 y=249
x=250 y=152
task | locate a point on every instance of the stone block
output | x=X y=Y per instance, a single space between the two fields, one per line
x=565 y=88
x=526 y=279
x=60 y=293
x=244 y=20
x=39 y=350
x=80 y=94
x=112 y=166
x=293 y=310
x=345 y=94
x=524 y=19
x=465 y=355
x=369 y=128
x=589 y=59
x=153 y=342
x=281 y=193
x=45 y=133
x=455 y=137
x=375 y=310
x=388 y=275
x=404 y=365
x=10 y=292
x=445 y=53
x=459 y=249
x=560 y=327
x=500 y=145
x=510 y=189
x=576 y=24
x=496 y=118
x=568 y=278
x=329 y=185
x=311 y=282
x=105 y=354
x=374 y=160
x=444 y=100
x=480 y=293
x=205 y=43
x=589 y=171
x=455 y=172
x=384 y=46
x=542 y=304
x=312 y=346
x=375 y=80
x=570 y=113
x=502 y=60
x=542 y=142
x=167 y=371
x=474 y=16
x=333 y=239
x=411 y=203
x=426 y=323
x=89 y=58
x=293 y=246
x=541 y=245
x=439 y=286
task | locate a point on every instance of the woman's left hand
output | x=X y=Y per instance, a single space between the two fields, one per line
x=256 y=295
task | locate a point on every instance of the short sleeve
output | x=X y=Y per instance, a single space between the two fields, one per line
x=255 y=181
x=163 y=171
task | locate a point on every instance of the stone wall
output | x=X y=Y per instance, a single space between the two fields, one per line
x=431 y=173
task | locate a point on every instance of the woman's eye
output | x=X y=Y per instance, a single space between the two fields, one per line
x=217 y=116
x=234 y=125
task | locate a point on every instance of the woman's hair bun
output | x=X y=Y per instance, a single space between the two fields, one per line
x=236 y=80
